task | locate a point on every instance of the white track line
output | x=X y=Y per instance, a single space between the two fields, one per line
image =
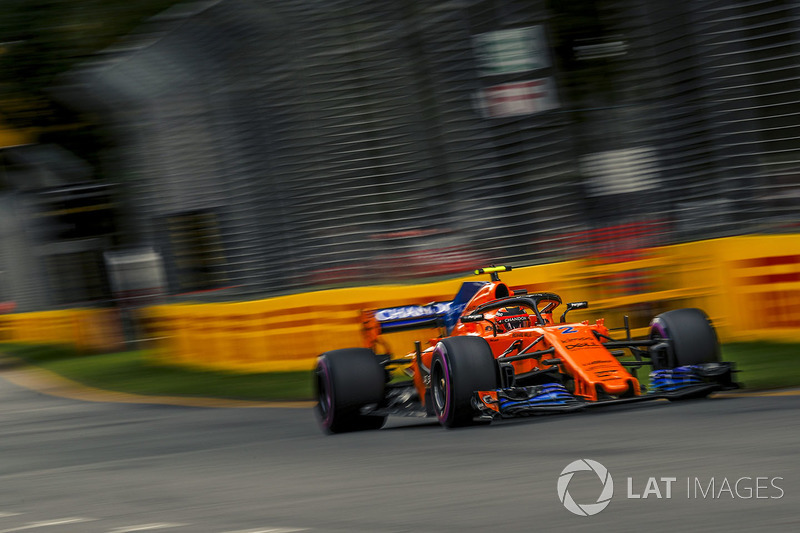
x=48 y=523
x=145 y=527
x=270 y=530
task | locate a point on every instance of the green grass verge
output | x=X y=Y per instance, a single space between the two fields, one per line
x=762 y=366
x=134 y=372
x=765 y=365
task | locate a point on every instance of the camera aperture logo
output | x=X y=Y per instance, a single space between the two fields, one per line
x=586 y=509
x=746 y=487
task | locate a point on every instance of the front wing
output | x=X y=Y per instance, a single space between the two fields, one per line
x=679 y=383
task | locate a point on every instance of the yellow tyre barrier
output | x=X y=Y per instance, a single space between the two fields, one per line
x=749 y=286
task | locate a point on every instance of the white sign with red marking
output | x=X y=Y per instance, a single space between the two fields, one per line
x=519 y=98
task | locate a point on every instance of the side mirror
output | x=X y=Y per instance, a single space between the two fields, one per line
x=479 y=317
x=571 y=306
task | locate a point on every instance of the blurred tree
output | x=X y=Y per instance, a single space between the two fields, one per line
x=40 y=40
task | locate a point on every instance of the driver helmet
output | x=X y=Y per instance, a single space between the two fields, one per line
x=509 y=318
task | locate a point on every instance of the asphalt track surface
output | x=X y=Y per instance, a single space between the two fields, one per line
x=77 y=466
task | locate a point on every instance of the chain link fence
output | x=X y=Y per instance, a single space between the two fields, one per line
x=270 y=147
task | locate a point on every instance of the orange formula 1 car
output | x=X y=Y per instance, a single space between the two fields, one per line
x=502 y=354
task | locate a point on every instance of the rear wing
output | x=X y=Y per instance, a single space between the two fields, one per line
x=410 y=317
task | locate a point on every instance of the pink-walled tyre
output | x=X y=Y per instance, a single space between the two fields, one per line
x=460 y=366
x=345 y=382
x=691 y=335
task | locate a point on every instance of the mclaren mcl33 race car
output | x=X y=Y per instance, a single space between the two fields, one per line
x=501 y=354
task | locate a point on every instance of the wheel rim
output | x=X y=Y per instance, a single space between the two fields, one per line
x=323 y=395
x=658 y=333
x=438 y=389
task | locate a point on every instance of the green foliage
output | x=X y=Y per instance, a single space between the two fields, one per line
x=41 y=39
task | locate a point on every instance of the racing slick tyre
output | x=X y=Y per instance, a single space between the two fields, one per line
x=691 y=335
x=346 y=381
x=459 y=367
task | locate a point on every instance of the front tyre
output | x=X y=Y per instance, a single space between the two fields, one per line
x=691 y=336
x=459 y=367
x=345 y=381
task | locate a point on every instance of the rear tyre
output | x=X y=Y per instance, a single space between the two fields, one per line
x=459 y=367
x=345 y=381
x=691 y=335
